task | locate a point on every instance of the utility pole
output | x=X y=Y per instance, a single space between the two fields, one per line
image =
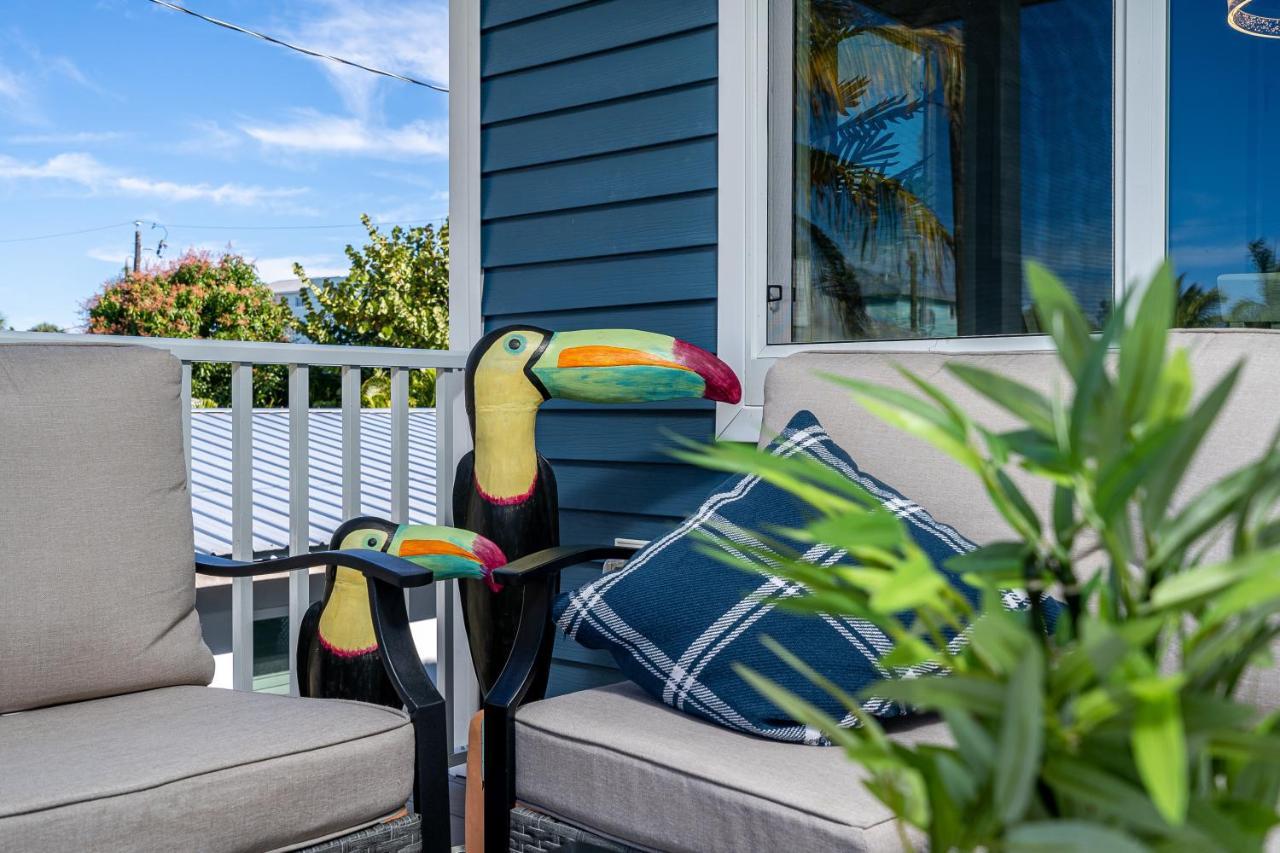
x=137 y=245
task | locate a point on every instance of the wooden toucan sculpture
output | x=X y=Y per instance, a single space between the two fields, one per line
x=338 y=655
x=504 y=489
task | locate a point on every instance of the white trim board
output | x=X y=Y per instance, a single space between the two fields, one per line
x=455 y=676
x=1141 y=193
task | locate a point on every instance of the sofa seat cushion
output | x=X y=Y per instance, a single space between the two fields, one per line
x=198 y=768
x=614 y=761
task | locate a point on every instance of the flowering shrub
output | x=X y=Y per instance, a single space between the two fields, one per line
x=198 y=296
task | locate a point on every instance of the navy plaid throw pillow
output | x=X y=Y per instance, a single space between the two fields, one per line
x=676 y=620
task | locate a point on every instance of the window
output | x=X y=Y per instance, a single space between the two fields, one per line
x=1224 y=184
x=919 y=152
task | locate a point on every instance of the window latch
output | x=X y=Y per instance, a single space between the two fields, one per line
x=774 y=293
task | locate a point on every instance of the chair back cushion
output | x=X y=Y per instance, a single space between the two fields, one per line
x=97 y=590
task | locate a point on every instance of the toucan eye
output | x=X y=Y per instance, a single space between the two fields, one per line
x=515 y=344
x=372 y=542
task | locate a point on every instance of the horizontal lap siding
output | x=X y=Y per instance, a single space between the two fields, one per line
x=598 y=158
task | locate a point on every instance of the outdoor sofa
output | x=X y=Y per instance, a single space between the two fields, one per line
x=610 y=768
x=110 y=738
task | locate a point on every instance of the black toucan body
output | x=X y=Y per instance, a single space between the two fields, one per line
x=504 y=489
x=338 y=655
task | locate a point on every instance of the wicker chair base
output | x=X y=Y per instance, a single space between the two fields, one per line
x=534 y=832
x=402 y=835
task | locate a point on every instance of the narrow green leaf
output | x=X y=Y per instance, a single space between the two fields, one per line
x=975 y=745
x=1142 y=349
x=1060 y=316
x=1160 y=752
x=1070 y=836
x=982 y=697
x=1021 y=737
x=998 y=558
x=1158 y=489
x=1193 y=586
x=1110 y=795
x=1017 y=398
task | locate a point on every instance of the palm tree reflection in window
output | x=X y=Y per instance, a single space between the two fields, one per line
x=877 y=175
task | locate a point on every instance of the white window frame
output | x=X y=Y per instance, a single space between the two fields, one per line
x=1141 y=194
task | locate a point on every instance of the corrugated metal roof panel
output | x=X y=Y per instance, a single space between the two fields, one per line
x=211 y=474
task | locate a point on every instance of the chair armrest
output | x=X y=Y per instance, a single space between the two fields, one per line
x=530 y=656
x=551 y=561
x=378 y=565
x=387 y=577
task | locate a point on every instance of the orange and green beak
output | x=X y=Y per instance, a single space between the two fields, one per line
x=448 y=552
x=629 y=366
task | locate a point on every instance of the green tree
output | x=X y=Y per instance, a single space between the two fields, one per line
x=46 y=327
x=4 y=322
x=198 y=296
x=396 y=295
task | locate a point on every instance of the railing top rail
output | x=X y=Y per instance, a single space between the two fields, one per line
x=253 y=352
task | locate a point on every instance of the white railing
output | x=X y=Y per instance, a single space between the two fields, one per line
x=454 y=677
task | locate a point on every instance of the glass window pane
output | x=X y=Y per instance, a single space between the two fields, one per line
x=936 y=145
x=1224 y=147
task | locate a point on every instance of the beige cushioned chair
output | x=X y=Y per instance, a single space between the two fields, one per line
x=109 y=738
x=626 y=768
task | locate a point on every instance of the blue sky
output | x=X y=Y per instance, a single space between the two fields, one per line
x=116 y=110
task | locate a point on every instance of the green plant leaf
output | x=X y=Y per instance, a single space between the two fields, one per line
x=1109 y=795
x=1059 y=315
x=1070 y=836
x=979 y=696
x=1195 y=585
x=1141 y=359
x=1019 y=399
x=974 y=743
x=1159 y=487
x=1002 y=559
x=1160 y=748
x=1021 y=737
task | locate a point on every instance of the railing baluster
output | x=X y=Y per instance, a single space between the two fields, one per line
x=399 y=445
x=242 y=523
x=299 y=509
x=455 y=677
x=350 y=442
x=186 y=418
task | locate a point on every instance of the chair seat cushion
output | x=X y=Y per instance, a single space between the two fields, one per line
x=618 y=763
x=198 y=768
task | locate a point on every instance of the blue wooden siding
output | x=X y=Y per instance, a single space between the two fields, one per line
x=598 y=152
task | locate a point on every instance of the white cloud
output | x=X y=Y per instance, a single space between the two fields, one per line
x=83 y=137
x=404 y=38
x=88 y=173
x=17 y=100
x=328 y=134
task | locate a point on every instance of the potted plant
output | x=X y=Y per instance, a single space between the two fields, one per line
x=1116 y=727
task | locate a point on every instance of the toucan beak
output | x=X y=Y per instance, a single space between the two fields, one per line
x=628 y=366
x=448 y=552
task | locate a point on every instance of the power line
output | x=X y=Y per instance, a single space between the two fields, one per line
x=219 y=228
x=64 y=233
x=317 y=54
x=301 y=227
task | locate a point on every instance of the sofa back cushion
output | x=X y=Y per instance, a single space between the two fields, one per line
x=97 y=590
x=955 y=496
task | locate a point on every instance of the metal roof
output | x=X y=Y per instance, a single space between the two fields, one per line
x=211 y=474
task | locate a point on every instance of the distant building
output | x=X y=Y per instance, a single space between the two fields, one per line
x=289 y=290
